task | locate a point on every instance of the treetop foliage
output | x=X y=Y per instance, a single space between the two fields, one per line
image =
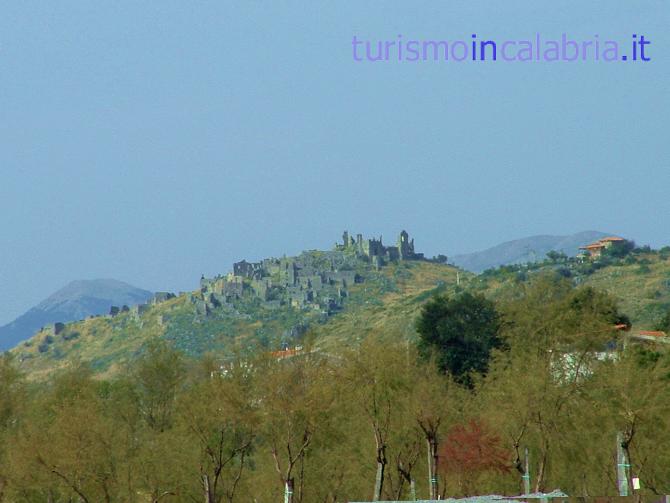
x=450 y=413
x=461 y=332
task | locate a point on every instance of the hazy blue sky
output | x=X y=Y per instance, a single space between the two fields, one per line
x=155 y=141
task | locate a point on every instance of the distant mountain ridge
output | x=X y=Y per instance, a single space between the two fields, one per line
x=530 y=249
x=75 y=301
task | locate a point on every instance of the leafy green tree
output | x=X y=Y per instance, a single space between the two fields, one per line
x=71 y=447
x=218 y=418
x=436 y=402
x=295 y=406
x=541 y=393
x=620 y=250
x=630 y=400
x=461 y=332
x=556 y=256
x=376 y=376
x=596 y=305
x=159 y=373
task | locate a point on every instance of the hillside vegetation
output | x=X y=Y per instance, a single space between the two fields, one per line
x=386 y=303
x=342 y=420
x=640 y=281
x=418 y=362
x=75 y=301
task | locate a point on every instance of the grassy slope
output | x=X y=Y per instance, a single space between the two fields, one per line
x=387 y=303
x=641 y=286
x=643 y=294
x=392 y=314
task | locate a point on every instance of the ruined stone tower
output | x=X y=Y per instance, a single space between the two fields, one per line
x=405 y=246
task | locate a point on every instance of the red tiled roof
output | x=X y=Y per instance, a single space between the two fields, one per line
x=285 y=353
x=601 y=243
x=652 y=333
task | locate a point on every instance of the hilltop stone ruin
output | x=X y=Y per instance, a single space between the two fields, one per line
x=313 y=280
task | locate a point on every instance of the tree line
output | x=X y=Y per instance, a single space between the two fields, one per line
x=450 y=413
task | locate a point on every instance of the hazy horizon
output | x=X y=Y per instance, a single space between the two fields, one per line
x=152 y=143
x=194 y=284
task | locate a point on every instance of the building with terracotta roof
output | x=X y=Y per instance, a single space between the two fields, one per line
x=286 y=353
x=655 y=336
x=595 y=249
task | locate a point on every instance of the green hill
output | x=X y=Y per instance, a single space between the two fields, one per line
x=640 y=281
x=75 y=301
x=642 y=287
x=383 y=300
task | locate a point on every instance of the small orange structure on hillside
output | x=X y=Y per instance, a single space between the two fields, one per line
x=654 y=336
x=652 y=333
x=286 y=353
x=596 y=248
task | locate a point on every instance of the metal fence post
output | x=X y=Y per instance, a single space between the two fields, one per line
x=526 y=475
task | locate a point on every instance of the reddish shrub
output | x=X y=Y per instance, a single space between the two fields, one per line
x=472 y=449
